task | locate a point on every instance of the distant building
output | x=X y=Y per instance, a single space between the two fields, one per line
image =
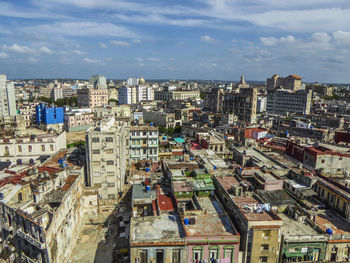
x=323 y=90
x=144 y=143
x=242 y=84
x=292 y=82
x=92 y=97
x=57 y=93
x=282 y=102
x=7 y=97
x=165 y=119
x=242 y=104
x=50 y=117
x=99 y=82
x=106 y=147
x=213 y=100
x=78 y=120
x=135 y=94
x=132 y=81
x=177 y=95
x=261 y=104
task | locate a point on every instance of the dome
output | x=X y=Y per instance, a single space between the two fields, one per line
x=142 y=81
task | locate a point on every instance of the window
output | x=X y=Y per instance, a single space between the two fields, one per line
x=197 y=254
x=109 y=139
x=176 y=256
x=144 y=142
x=111 y=196
x=111 y=184
x=109 y=151
x=144 y=151
x=97 y=185
x=43 y=148
x=97 y=174
x=264 y=247
x=30 y=148
x=95 y=139
x=110 y=162
x=322 y=161
x=213 y=254
x=144 y=133
x=51 y=147
x=96 y=151
x=7 y=152
x=96 y=163
x=266 y=234
x=159 y=256
x=110 y=173
x=143 y=256
x=263 y=259
x=228 y=254
x=19 y=148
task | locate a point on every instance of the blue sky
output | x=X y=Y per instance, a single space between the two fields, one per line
x=199 y=39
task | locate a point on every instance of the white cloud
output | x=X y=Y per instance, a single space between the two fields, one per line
x=141 y=64
x=102 y=45
x=321 y=37
x=139 y=59
x=45 y=50
x=19 y=49
x=136 y=41
x=91 y=60
x=120 y=43
x=78 y=52
x=32 y=60
x=208 y=39
x=153 y=59
x=83 y=29
x=3 y=55
x=342 y=38
x=273 y=41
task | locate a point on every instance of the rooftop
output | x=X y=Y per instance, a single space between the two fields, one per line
x=165 y=227
x=292 y=227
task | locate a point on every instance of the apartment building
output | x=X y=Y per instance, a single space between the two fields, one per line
x=28 y=149
x=27 y=110
x=78 y=121
x=106 y=146
x=144 y=143
x=41 y=212
x=292 y=82
x=213 y=99
x=7 y=97
x=135 y=94
x=161 y=118
x=177 y=95
x=92 y=97
x=243 y=104
x=283 y=102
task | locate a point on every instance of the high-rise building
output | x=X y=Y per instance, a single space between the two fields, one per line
x=283 y=102
x=106 y=146
x=144 y=143
x=242 y=104
x=7 y=97
x=92 y=97
x=135 y=94
x=98 y=80
x=292 y=82
x=132 y=81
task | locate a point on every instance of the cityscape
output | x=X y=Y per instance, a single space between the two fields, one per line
x=207 y=131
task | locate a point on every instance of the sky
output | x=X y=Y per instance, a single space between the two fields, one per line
x=182 y=39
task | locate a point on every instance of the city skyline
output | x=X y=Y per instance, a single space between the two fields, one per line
x=175 y=40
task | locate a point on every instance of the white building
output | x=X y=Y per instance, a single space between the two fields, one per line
x=28 y=149
x=132 y=81
x=7 y=97
x=135 y=94
x=261 y=104
x=144 y=143
x=284 y=101
x=98 y=80
x=106 y=147
x=57 y=93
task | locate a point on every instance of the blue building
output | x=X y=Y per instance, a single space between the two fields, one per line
x=46 y=115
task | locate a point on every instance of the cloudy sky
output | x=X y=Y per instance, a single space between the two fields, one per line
x=182 y=39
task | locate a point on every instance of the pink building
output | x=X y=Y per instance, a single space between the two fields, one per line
x=92 y=98
x=78 y=121
x=210 y=233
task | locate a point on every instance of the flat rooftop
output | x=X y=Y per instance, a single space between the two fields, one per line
x=292 y=227
x=246 y=204
x=165 y=227
x=338 y=226
x=214 y=222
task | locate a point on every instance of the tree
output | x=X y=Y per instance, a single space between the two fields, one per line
x=162 y=129
x=170 y=131
x=178 y=129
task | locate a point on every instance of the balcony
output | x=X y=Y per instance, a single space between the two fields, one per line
x=30 y=239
